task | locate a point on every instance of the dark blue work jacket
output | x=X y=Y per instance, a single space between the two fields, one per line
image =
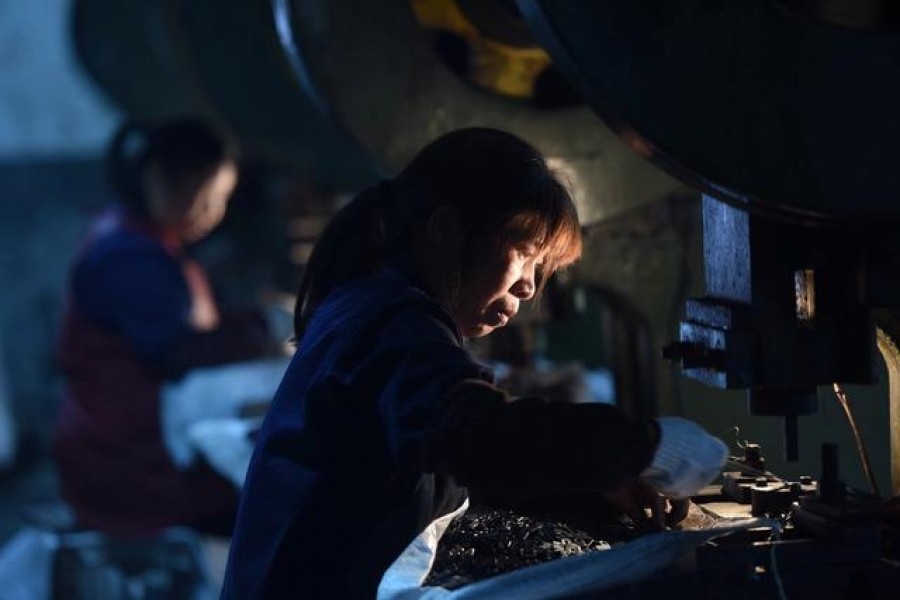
x=380 y=420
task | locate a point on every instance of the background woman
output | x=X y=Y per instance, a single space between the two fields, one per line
x=141 y=313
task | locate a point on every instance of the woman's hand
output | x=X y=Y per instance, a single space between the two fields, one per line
x=633 y=499
x=686 y=459
x=638 y=495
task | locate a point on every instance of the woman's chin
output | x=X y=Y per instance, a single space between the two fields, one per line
x=479 y=330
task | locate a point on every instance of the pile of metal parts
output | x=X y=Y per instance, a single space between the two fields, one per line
x=484 y=542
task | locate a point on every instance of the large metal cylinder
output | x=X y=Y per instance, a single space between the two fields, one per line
x=222 y=60
x=345 y=91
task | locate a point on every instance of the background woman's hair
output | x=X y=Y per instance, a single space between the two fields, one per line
x=500 y=186
x=178 y=147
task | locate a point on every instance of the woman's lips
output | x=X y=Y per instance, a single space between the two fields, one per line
x=498 y=318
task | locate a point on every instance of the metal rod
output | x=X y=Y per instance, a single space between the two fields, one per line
x=860 y=446
x=891 y=354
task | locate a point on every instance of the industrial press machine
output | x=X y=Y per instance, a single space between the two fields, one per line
x=783 y=113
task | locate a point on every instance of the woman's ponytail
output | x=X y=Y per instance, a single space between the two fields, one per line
x=124 y=165
x=352 y=245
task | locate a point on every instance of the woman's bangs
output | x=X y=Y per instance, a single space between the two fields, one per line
x=556 y=232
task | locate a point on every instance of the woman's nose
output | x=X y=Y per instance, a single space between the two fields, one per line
x=524 y=287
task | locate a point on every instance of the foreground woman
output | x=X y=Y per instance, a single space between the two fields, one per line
x=383 y=417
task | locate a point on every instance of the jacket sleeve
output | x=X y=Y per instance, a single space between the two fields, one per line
x=138 y=293
x=141 y=295
x=440 y=408
x=486 y=439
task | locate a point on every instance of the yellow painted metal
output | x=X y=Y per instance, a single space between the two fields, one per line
x=496 y=66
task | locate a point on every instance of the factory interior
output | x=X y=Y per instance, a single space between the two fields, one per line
x=738 y=201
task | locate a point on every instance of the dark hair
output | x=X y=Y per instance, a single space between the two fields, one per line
x=500 y=186
x=179 y=147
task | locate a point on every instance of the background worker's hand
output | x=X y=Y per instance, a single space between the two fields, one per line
x=686 y=459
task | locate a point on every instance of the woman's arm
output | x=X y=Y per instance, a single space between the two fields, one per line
x=440 y=408
x=140 y=293
x=489 y=440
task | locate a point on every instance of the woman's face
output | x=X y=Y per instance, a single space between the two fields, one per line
x=192 y=206
x=496 y=282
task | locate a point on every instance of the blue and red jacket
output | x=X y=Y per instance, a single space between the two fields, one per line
x=126 y=331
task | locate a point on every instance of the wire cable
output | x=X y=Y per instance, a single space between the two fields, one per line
x=860 y=446
x=736 y=463
x=776 y=573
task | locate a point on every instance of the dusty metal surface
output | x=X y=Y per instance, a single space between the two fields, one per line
x=375 y=68
x=344 y=91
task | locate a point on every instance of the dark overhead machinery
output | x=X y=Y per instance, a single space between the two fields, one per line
x=785 y=115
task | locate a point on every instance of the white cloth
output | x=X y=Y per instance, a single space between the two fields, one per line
x=213 y=393
x=226 y=445
x=686 y=459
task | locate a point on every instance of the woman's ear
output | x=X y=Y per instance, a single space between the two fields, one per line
x=444 y=230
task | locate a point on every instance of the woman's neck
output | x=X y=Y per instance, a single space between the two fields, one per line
x=151 y=228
